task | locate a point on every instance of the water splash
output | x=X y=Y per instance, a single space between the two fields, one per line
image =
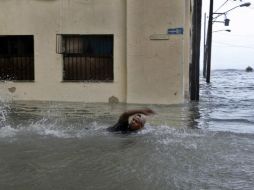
x=8 y=131
x=4 y=110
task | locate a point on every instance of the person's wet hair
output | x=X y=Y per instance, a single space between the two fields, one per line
x=141 y=118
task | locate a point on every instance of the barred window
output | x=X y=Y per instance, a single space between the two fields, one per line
x=17 y=58
x=86 y=57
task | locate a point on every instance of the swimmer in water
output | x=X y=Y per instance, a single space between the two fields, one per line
x=136 y=123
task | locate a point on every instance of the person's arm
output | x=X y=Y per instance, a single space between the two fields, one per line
x=125 y=116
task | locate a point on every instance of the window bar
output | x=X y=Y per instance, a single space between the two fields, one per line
x=106 y=69
x=68 y=64
x=19 y=69
x=72 y=44
x=77 y=63
x=103 y=61
x=100 y=60
x=32 y=60
x=74 y=67
x=23 y=67
x=1 y=67
x=69 y=67
x=12 y=75
x=84 y=67
x=96 y=68
x=68 y=45
x=16 y=68
x=80 y=68
x=79 y=46
x=99 y=68
x=25 y=59
x=64 y=68
x=28 y=72
x=28 y=69
x=74 y=72
x=87 y=67
x=107 y=62
x=5 y=67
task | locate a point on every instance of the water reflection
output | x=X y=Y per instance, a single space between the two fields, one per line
x=57 y=145
x=70 y=141
x=87 y=116
x=194 y=116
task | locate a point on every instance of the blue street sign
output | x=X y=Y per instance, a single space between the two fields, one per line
x=175 y=31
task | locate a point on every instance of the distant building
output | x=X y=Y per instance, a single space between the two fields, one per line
x=133 y=51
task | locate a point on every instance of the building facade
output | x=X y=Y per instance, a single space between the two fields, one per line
x=131 y=51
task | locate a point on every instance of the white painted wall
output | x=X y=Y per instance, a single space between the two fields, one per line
x=145 y=70
x=156 y=68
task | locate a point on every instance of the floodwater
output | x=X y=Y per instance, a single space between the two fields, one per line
x=204 y=145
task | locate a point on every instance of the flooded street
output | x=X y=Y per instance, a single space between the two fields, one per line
x=205 y=145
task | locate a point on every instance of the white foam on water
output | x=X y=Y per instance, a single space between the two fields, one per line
x=48 y=131
x=182 y=132
x=3 y=115
x=92 y=129
x=7 y=131
x=44 y=127
x=56 y=129
x=164 y=134
x=37 y=128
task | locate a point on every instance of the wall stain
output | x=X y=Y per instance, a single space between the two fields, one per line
x=113 y=100
x=12 y=89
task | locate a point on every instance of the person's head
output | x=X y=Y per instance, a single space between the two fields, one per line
x=137 y=122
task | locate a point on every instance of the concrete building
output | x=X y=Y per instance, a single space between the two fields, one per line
x=133 y=51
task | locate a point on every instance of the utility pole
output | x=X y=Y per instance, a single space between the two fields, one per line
x=209 y=42
x=208 y=45
x=196 y=36
x=204 y=55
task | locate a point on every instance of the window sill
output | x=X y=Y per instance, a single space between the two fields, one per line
x=87 y=81
x=18 y=81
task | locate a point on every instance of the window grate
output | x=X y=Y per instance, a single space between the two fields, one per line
x=17 y=58
x=86 y=57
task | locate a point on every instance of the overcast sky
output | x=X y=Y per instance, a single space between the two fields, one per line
x=235 y=49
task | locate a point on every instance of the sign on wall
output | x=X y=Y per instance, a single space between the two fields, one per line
x=175 y=31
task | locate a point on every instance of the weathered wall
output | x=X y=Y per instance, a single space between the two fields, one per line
x=156 y=68
x=46 y=18
x=145 y=70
